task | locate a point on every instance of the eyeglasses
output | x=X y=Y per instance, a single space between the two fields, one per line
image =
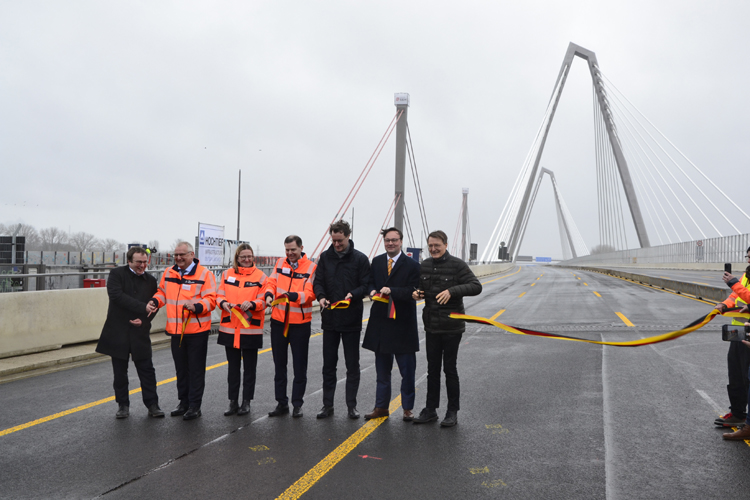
x=393 y=240
x=181 y=254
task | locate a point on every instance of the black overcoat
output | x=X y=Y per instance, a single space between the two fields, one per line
x=334 y=278
x=128 y=295
x=400 y=335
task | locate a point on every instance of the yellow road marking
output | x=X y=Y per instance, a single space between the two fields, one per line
x=579 y=278
x=665 y=277
x=624 y=319
x=538 y=278
x=699 y=283
x=497 y=314
x=533 y=284
x=38 y=421
x=597 y=294
x=524 y=293
x=585 y=284
x=316 y=473
x=501 y=277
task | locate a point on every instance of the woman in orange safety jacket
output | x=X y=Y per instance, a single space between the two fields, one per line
x=240 y=297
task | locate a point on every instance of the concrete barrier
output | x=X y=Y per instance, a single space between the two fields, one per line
x=708 y=292
x=45 y=320
x=481 y=270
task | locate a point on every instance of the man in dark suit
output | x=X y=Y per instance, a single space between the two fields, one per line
x=394 y=276
x=126 y=331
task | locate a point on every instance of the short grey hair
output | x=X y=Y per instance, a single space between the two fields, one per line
x=185 y=243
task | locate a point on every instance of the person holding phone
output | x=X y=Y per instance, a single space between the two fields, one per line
x=738 y=357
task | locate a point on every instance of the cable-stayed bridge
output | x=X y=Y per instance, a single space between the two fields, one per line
x=653 y=203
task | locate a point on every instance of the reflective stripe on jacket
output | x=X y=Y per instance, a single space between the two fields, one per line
x=237 y=287
x=284 y=279
x=739 y=297
x=175 y=291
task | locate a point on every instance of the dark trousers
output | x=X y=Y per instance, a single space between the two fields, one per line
x=235 y=358
x=407 y=365
x=442 y=349
x=331 y=340
x=190 y=365
x=738 y=365
x=299 y=340
x=146 y=374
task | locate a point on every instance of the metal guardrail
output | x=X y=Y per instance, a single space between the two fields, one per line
x=711 y=250
x=26 y=282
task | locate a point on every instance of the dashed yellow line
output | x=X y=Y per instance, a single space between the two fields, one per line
x=501 y=277
x=533 y=284
x=624 y=319
x=597 y=294
x=585 y=284
x=524 y=293
x=497 y=314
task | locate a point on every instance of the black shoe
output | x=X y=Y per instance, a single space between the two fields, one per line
x=352 y=413
x=325 y=412
x=155 y=411
x=426 y=415
x=233 y=407
x=123 y=412
x=192 y=414
x=451 y=419
x=179 y=410
x=297 y=413
x=279 y=410
x=245 y=408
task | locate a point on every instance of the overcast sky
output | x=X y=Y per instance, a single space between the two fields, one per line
x=130 y=120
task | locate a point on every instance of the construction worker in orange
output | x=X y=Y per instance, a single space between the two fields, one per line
x=290 y=291
x=240 y=296
x=189 y=291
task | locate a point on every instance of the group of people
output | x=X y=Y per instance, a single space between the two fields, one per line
x=340 y=280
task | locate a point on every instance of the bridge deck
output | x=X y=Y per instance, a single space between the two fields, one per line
x=540 y=418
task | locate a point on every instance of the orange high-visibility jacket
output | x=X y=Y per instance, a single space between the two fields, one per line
x=237 y=287
x=176 y=291
x=284 y=279
x=739 y=297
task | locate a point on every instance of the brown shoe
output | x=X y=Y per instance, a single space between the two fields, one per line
x=740 y=435
x=408 y=416
x=377 y=413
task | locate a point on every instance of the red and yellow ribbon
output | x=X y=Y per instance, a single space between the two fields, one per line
x=243 y=317
x=283 y=299
x=387 y=299
x=341 y=304
x=185 y=321
x=695 y=325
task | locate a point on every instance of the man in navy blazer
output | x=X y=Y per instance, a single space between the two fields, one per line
x=394 y=276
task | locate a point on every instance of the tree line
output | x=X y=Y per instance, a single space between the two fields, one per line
x=55 y=239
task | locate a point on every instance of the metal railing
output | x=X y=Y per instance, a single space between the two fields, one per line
x=711 y=250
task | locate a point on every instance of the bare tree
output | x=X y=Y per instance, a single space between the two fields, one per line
x=82 y=241
x=109 y=245
x=53 y=238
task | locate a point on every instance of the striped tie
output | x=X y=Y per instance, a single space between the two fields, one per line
x=390 y=266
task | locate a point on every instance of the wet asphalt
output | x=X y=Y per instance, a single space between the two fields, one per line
x=540 y=418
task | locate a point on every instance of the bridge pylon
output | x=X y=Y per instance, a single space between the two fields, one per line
x=516 y=235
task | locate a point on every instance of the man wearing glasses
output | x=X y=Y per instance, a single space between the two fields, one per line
x=189 y=291
x=392 y=328
x=126 y=331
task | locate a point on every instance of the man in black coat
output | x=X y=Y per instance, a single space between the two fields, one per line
x=394 y=275
x=126 y=331
x=444 y=281
x=343 y=273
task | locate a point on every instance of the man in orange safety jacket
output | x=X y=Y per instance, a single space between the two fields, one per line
x=292 y=277
x=189 y=291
